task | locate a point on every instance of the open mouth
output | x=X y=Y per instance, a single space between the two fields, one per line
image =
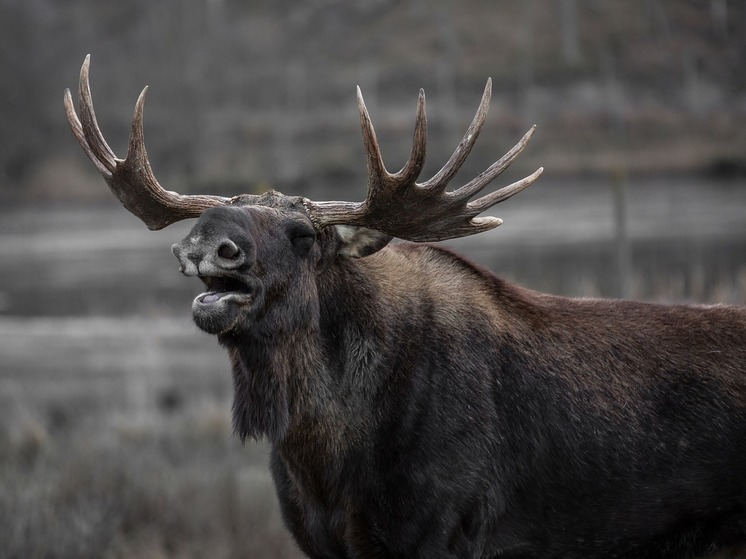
x=221 y=288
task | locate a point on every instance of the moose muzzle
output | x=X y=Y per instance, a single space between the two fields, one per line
x=218 y=263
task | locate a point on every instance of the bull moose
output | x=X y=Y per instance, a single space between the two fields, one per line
x=419 y=406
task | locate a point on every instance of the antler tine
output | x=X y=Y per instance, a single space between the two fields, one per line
x=413 y=167
x=131 y=180
x=87 y=132
x=491 y=173
x=443 y=177
x=485 y=223
x=480 y=204
x=137 y=157
x=77 y=128
x=376 y=169
x=92 y=132
x=378 y=176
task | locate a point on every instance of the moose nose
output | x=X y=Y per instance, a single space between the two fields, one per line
x=228 y=250
x=206 y=258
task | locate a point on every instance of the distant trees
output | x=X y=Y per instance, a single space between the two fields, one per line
x=264 y=91
x=569 y=31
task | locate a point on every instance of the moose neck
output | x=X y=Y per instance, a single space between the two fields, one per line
x=289 y=381
x=266 y=355
x=263 y=381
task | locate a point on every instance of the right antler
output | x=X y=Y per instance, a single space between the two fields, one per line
x=399 y=206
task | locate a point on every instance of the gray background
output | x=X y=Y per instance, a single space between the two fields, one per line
x=115 y=436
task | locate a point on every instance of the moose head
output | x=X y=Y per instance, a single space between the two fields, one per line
x=253 y=251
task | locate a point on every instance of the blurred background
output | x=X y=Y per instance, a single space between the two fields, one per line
x=115 y=436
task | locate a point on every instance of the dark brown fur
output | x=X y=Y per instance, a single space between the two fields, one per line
x=419 y=406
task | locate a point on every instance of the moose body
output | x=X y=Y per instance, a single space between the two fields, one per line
x=418 y=406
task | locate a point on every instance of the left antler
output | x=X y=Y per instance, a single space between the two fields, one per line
x=131 y=179
x=398 y=205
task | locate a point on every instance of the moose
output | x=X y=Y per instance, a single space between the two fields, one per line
x=419 y=406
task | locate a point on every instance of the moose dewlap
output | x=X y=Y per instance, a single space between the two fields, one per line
x=419 y=406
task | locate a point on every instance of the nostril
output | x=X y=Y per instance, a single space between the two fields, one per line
x=228 y=250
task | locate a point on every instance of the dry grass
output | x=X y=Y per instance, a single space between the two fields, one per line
x=184 y=489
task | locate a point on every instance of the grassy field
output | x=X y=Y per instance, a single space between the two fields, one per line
x=115 y=436
x=115 y=441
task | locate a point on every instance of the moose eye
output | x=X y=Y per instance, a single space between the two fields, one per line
x=301 y=234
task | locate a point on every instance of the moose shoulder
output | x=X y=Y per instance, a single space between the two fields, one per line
x=419 y=406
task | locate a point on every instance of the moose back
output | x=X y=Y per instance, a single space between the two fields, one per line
x=419 y=406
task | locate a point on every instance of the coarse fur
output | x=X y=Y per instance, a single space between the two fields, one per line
x=419 y=406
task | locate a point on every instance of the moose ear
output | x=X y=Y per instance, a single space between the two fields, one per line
x=357 y=242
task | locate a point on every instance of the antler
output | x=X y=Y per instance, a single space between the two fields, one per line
x=398 y=205
x=131 y=179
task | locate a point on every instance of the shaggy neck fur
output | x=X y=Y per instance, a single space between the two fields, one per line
x=265 y=381
x=287 y=366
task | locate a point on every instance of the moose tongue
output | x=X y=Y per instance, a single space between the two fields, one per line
x=211 y=297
